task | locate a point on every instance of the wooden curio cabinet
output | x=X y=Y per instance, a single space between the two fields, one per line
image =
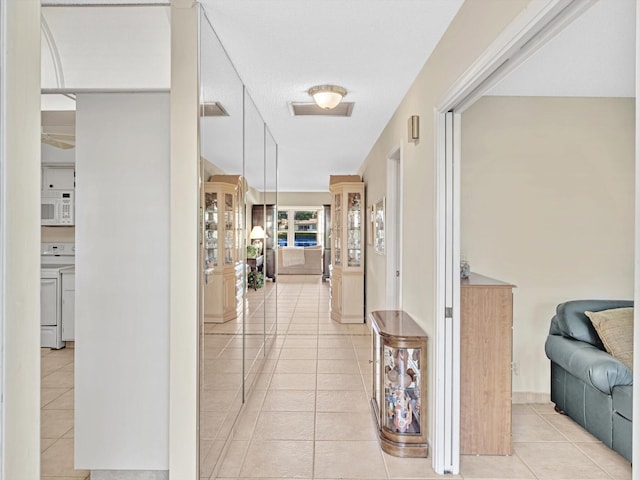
x=399 y=394
x=347 y=248
x=222 y=244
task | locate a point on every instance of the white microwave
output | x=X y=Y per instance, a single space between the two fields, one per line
x=57 y=207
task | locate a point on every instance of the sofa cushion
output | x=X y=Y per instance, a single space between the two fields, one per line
x=570 y=320
x=615 y=329
x=623 y=401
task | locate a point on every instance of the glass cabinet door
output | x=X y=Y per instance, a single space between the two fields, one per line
x=354 y=222
x=402 y=402
x=228 y=229
x=211 y=229
x=337 y=240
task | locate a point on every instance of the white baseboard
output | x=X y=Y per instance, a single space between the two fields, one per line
x=530 y=397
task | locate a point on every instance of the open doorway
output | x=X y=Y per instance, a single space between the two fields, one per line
x=394 y=230
x=459 y=103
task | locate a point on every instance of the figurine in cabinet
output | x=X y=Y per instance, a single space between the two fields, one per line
x=400 y=352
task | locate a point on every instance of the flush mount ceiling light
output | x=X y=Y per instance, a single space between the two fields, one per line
x=327 y=96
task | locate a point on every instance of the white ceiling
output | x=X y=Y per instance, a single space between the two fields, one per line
x=280 y=48
x=373 y=48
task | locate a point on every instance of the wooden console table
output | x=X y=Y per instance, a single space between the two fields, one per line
x=486 y=321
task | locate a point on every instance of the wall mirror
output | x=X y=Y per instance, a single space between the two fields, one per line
x=221 y=249
x=237 y=285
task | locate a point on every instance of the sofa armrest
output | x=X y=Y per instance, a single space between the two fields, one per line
x=588 y=363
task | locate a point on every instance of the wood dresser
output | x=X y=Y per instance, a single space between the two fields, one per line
x=486 y=328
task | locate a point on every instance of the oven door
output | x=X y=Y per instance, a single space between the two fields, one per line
x=49 y=299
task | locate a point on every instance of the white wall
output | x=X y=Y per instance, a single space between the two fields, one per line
x=122 y=282
x=20 y=239
x=547 y=203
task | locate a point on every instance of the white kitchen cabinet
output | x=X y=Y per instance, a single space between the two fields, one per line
x=58 y=177
x=68 y=305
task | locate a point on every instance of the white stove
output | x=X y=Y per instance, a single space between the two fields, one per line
x=57 y=293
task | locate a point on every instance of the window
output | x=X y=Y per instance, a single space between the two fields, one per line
x=305 y=231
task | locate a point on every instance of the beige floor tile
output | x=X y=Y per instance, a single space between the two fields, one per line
x=608 y=460
x=63 y=402
x=210 y=423
x=570 y=429
x=214 y=455
x=58 y=379
x=493 y=467
x=289 y=401
x=558 y=461
x=290 y=365
x=298 y=353
x=46 y=443
x=284 y=426
x=333 y=341
x=55 y=423
x=293 y=381
x=533 y=428
x=412 y=468
x=233 y=459
x=339 y=381
x=48 y=395
x=522 y=409
x=336 y=353
x=276 y=459
x=345 y=426
x=302 y=329
x=57 y=461
x=339 y=460
x=245 y=426
x=345 y=401
x=337 y=366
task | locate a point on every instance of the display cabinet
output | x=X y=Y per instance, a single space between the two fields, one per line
x=222 y=244
x=347 y=252
x=399 y=392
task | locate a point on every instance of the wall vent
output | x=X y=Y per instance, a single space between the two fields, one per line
x=343 y=109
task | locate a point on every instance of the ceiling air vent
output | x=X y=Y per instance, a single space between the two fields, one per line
x=214 y=109
x=343 y=109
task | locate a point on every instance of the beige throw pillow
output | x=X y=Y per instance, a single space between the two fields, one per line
x=615 y=328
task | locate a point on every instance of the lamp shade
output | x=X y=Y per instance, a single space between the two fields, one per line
x=327 y=96
x=257 y=232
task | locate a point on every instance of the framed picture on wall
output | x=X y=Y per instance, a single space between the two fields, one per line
x=379 y=226
x=371 y=221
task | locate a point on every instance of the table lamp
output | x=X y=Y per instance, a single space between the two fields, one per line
x=257 y=235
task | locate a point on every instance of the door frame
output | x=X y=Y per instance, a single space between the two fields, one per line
x=393 y=227
x=524 y=36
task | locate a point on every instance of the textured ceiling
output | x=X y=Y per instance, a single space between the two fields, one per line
x=373 y=48
x=280 y=48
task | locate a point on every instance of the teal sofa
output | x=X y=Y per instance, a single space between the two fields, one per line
x=587 y=384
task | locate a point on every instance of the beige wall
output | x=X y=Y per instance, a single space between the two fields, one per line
x=547 y=203
x=463 y=42
x=20 y=240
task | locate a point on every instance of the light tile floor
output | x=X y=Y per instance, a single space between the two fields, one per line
x=308 y=414
x=56 y=416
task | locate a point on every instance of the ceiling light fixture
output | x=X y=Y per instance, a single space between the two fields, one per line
x=327 y=96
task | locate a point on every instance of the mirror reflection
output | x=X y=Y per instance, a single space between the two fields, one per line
x=222 y=243
x=237 y=257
